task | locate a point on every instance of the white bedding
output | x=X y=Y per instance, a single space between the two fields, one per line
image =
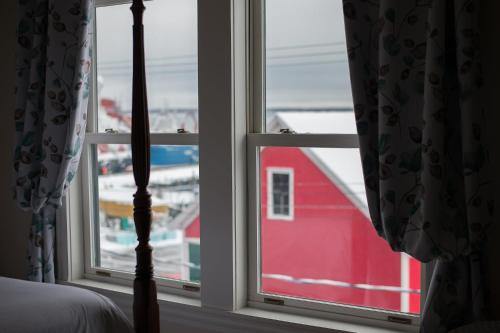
x=27 y=307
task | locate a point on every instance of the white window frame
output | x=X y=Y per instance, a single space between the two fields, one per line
x=358 y=314
x=89 y=185
x=232 y=130
x=258 y=138
x=185 y=253
x=271 y=171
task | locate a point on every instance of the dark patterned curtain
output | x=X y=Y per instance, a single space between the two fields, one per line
x=53 y=66
x=416 y=82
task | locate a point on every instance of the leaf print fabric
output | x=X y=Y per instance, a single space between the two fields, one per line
x=52 y=88
x=416 y=83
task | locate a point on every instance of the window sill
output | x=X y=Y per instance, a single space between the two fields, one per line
x=125 y=291
x=188 y=312
x=324 y=325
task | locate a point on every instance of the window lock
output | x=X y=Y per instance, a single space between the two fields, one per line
x=274 y=301
x=182 y=131
x=399 y=320
x=103 y=273
x=286 y=131
x=190 y=288
x=110 y=131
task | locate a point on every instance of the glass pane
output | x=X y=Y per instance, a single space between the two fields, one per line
x=174 y=186
x=170 y=33
x=281 y=193
x=326 y=249
x=306 y=67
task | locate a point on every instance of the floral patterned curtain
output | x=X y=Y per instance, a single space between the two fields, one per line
x=53 y=66
x=416 y=82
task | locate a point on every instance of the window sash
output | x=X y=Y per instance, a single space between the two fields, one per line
x=89 y=179
x=293 y=304
x=105 y=3
x=164 y=139
x=226 y=25
x=256 y=138
x=304 y=140
x=90 y=213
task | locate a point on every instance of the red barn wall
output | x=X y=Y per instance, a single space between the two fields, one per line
x=329 y=238
x=193 y=230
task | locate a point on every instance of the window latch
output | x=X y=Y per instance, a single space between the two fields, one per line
x=191 y=288
x=110 y=131
x=274 y=301
x=182 y=131
x=399 y=320
x=286 y=131
x=103 y=273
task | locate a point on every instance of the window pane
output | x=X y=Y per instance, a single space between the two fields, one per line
x=328 y=250
x=174 y=186
x=280 y=195
x=306 y=66
x=170 y=32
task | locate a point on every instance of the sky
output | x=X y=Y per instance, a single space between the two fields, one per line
x=305 y=43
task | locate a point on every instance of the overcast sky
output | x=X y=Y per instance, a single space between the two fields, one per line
x=305 y=39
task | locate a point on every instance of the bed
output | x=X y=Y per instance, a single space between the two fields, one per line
x=36 y=307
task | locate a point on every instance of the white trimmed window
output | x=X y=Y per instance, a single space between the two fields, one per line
x=252 y=122
x=304 y=165
x=108 y=184
x=280 y=193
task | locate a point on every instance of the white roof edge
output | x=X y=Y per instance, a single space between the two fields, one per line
x=280 y=121
x=336 y=180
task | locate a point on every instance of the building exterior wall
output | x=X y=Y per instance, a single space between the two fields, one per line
x=329 y=238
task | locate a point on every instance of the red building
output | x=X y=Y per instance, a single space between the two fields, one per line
x=317 y=241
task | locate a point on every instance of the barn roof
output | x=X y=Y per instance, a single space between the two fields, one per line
x=342 y=166
x=339 y=121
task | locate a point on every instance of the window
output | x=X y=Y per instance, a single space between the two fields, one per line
x=253 y=133
x=305 y=167
x=174 y=186
x=280 y=193
x=173 y=109
x=172 y=75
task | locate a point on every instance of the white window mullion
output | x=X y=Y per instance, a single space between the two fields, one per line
x=257 y=73
x=104 y=3
x=222 y=113
x=290 y=304
x=405 y=282
x=305 y=140
x=174 y=139
x=88 y=199
x=93 y=98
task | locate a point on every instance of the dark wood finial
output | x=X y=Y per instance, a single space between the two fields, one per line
x=146 y=310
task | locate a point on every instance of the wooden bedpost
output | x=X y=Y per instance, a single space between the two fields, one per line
x=146 y=311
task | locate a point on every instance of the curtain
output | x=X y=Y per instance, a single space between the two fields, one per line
x=416 y=83
x=52 y=88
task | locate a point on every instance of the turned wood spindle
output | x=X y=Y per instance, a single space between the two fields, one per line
x=146 y=312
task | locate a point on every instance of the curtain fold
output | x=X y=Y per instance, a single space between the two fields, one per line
x=416 y=83
x=53 y=57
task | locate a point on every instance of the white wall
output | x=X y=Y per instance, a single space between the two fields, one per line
x=14 y=223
